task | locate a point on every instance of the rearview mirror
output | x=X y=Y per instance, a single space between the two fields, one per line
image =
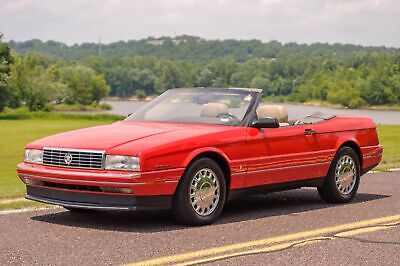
x=266 y=122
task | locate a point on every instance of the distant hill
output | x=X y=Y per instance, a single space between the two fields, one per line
x=343 y=74
x=195 y=49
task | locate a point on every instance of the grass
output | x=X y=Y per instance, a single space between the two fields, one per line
x=22 y=205
x=22 y=114
x=389 y=137
x=15 y=134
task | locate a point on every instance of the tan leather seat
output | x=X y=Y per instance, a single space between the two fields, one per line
x=277 y=111
x=213 y=109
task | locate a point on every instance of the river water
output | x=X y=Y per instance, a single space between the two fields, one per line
x=295 y=111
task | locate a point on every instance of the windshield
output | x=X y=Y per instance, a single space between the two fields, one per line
x=204 y=106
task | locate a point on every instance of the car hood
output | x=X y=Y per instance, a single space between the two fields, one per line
x=102 y=137
x=107 y=137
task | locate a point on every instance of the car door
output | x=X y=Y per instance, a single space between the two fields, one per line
x=284 y=154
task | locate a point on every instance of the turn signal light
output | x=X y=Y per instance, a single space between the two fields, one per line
x=33 y=182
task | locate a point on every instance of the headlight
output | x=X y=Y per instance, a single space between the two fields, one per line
x=33 y=156
x=119 y=162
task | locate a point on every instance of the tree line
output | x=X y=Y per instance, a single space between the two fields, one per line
x=349 y=75
x=37 y=82
x=193 y=48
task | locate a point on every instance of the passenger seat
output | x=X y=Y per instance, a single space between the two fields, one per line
x=213 y=109
x=277 y=111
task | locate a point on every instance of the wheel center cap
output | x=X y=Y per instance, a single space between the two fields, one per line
x=346 y=177
x=206 y=191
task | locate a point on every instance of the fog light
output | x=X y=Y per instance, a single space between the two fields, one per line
x=124 y=190
x=33 y=182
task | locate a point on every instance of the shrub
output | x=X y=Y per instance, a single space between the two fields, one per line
x=140 y=94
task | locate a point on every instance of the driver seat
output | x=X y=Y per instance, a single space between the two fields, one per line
x=277 y=111
x=213 y=109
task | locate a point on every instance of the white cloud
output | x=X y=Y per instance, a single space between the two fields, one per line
x=370 y=22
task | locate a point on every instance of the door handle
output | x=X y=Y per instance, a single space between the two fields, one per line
x=309 y=132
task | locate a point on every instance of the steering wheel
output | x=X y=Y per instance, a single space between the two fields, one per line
x=227 y=115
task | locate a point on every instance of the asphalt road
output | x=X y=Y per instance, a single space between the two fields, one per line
x=59 y=237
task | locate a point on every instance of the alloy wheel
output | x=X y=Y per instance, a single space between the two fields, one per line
x=345 y=174
x=204 y=192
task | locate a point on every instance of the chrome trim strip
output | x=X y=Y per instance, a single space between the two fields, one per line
x=372 y=146
x=74 y=150
x=281 y=168
x=76 y=173
x=73 y=167
x=372 y=156
x=246 y=89
x=79 y=181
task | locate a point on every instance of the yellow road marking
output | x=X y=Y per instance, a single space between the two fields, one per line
x=251 y=252
x=318 y=234
x=286 y=245
x=361 y=231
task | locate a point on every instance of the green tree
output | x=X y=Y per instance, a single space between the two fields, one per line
x=168 y=76
x=239 y=79
x=205 y=78
x=5 y=62
x=30 y=83
x=84 y=85
x=343 y=74
x=262 y=83
x=122 y=80
x=147 y=81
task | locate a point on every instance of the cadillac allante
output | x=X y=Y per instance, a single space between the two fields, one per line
x=191 y=150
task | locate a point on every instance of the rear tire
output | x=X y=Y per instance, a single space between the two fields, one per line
x=201 y=194
x=341 y=183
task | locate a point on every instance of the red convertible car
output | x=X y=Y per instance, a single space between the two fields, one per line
x=190 y=150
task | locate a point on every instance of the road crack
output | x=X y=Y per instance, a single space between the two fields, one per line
x=283 y=247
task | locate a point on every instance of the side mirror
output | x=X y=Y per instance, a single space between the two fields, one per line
x=266 y=122
x=129 y=115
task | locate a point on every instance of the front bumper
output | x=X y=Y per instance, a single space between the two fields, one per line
x=97 y=201
x=79 y=188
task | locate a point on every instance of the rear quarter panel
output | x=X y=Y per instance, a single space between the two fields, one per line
x=339 y=131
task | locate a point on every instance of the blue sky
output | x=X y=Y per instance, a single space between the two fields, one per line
x=366 y=22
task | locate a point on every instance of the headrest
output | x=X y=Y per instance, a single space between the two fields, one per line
x=277 y=111
x=213 y=109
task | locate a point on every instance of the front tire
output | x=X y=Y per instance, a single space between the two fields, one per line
x=341 y=183
x=201 y=194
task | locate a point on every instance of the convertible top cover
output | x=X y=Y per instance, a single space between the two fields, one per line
x=314 y=119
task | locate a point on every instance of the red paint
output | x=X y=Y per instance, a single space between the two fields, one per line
x=255 y=156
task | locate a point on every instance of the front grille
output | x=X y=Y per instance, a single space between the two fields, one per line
x=73 y=158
